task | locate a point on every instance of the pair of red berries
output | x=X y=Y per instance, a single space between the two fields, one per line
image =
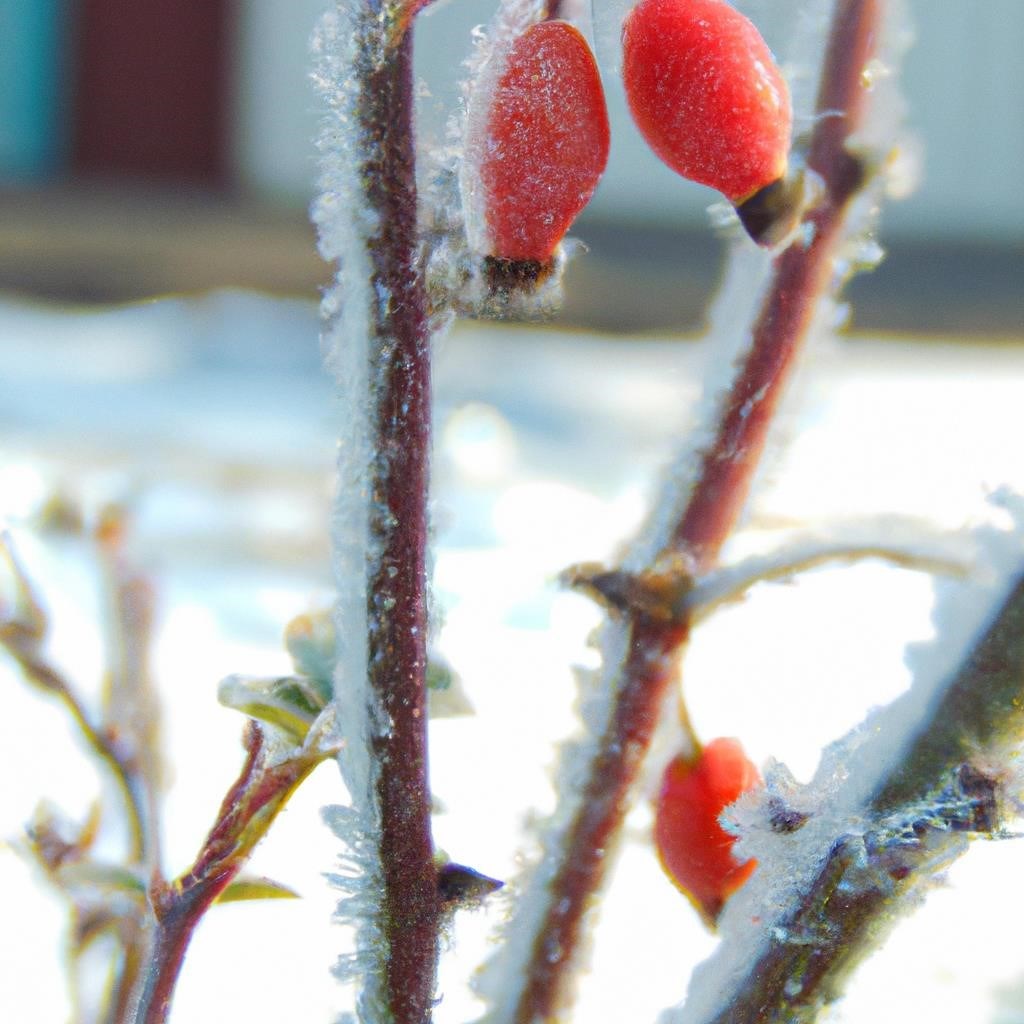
x=702 y=87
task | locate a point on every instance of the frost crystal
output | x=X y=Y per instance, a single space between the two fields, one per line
x=791 y=830
x=346 y=51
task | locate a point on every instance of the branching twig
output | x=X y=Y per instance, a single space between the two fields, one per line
x=802 y=275
x=22 y=632
x=263 y=787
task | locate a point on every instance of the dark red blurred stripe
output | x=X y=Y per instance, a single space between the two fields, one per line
x=151 y=92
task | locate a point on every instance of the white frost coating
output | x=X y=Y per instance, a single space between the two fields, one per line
x=732 y=315
x=500 y=981
x=898 y=540
x=851 y=771
x=346 y=228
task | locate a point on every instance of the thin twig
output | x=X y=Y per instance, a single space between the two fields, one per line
x=801 y=276
x=131 y=711
x=262 y=789
x=22 y=632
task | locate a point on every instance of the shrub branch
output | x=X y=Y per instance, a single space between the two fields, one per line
x=803 y=275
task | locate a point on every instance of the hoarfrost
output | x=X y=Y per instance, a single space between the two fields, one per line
x=733 y=313
x=748 y=271
x=452 y=212
x=346 y=51
x=835 y=806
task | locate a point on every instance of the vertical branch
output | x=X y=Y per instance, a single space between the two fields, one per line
x=378 y=337
x=396 y=578
x=537 y=987
x=802 y=276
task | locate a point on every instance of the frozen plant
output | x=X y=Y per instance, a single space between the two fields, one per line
x=476 y=241
x=801 y=881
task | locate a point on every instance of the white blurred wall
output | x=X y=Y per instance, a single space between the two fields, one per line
x=964 y=79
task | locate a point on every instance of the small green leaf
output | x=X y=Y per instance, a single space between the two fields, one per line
x=311 y=641
x=110 y=877
x=289 y=704
x=445 y=693
x=246 y=888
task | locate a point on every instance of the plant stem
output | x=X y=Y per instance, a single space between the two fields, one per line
x=42 y=674
x=263 y=787
x=131 y=711
x=802 y=275
x=396 y=584
x=378 y=336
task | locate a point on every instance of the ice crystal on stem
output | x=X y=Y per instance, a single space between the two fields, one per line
x=891 y=804
x=377 y=336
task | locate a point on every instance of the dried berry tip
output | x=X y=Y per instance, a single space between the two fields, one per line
x=772 y=212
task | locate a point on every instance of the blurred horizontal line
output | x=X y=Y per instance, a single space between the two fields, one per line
x=117 y=242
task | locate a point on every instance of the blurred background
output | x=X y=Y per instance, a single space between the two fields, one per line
x=160 y=146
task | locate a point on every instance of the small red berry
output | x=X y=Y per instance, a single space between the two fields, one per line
x=695 y=851
x=706 y=94
x=538 y=150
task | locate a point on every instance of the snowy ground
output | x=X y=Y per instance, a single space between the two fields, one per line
x=211 y=417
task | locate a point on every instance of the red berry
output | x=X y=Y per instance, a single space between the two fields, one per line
x=706 y=94
x=538 y=150
x=695 y=851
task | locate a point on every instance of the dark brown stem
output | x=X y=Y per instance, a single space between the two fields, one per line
x=396 y=569
x=802 y=275
x=263 y=787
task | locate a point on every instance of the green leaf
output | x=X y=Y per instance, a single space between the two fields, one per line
x=110 y=877
x=247 y=888
x=311 y=641
x=288 y=704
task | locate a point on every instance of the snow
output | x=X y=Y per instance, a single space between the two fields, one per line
x=158 y=402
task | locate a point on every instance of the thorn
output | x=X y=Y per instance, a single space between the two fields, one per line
x=460 y=887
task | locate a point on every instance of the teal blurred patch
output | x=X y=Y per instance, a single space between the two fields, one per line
x=33 y=87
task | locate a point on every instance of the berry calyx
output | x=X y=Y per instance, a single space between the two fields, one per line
x=694 y=849
x=537 y=144
x=706 y=94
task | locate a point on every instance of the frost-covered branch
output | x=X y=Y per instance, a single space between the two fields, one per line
x=377 y=339
x=890 y=806
x=270 y=775
x=530 y=979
